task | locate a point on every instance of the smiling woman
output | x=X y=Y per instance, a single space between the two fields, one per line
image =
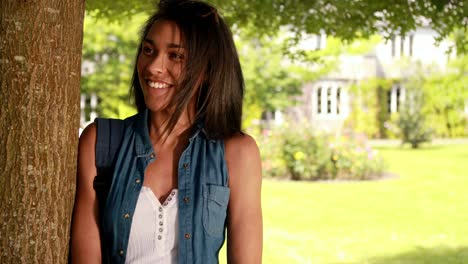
x=159 y=64
x=196 y=39
x=173 y=178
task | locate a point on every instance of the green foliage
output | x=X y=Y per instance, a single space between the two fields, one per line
x=303 y=154
x=344 y=19
x=412 y=123
x=269 y=81
x=446 y=95
x=460 y=38
x=274 y=67
x=273 y=165
x=110 y=50
x=119 y=11
x=274 y=71
x=369 y=110
x=412 y=117
x=354 y=159
x=306 y=154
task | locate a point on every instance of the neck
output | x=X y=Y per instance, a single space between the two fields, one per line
x=160 y=137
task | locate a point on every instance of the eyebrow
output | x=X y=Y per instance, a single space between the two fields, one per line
x=169 y=45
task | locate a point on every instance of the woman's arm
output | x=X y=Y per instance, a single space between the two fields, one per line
x=245 y=230
x=85 y=240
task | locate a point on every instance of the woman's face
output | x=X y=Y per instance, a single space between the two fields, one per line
x=160 y=64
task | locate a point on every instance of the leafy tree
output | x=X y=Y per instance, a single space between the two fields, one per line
x=412 y=120
x=269 y=81
x=443 y=97
x=447 y=96
x=109 y=50
x=345 y=19
x=369 y=109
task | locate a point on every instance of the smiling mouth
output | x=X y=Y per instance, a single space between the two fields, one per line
x=158 y=85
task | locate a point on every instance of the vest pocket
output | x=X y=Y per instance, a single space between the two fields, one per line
x=215 y=202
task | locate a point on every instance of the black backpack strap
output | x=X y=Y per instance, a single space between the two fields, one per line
x=109 y=133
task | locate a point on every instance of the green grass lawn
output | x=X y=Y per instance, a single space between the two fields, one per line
x=418 y=216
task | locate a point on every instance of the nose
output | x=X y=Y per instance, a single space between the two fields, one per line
x=157 y=64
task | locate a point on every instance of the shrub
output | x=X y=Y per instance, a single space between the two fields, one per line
x=354 y=159
x=412 y=118
x=270 y=150
x=303 y=154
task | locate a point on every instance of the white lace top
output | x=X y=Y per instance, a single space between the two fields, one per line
x=154 y=232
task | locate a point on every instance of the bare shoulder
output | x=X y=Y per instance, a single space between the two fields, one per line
x=241 y=144
x=242 y=157
x=241 y=148
x=86 y=151
x=88 y=136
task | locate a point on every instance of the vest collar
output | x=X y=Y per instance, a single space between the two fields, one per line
x=143 y=144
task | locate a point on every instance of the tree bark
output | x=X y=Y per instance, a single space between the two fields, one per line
x=40 y=56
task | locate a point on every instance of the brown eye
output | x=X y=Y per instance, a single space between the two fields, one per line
x=176 y=56
x=147 y=50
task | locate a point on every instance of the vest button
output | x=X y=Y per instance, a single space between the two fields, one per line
x=187 y=236
x=121 y=252
x=186 y=200
x=152 y=155
x=126 y=216
x=137 y=181
x=186 y=165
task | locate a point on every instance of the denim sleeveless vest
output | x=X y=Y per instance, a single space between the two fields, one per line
x=203 y=194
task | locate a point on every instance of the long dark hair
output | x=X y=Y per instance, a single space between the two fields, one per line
x=212 y=66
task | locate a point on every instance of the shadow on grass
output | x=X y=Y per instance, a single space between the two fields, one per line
x=439 y=255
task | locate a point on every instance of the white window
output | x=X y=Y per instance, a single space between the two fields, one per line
x=338 y=100
x=411 y=41
x=405 y=45
x=394 y=98
x=319 y=42
x=329 y=100
x=319 y=100
x=402 y=46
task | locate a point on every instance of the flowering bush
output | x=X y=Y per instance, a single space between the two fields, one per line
x=353 y=159
x=305 y=155
x=272 y=163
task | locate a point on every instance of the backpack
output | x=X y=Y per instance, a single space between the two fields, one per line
x=109 y=134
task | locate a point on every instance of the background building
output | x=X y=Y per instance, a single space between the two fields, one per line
x=326 y=102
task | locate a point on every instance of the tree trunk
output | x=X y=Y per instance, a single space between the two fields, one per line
x=40 y=56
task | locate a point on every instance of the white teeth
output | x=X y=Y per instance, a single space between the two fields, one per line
x=158 y=85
